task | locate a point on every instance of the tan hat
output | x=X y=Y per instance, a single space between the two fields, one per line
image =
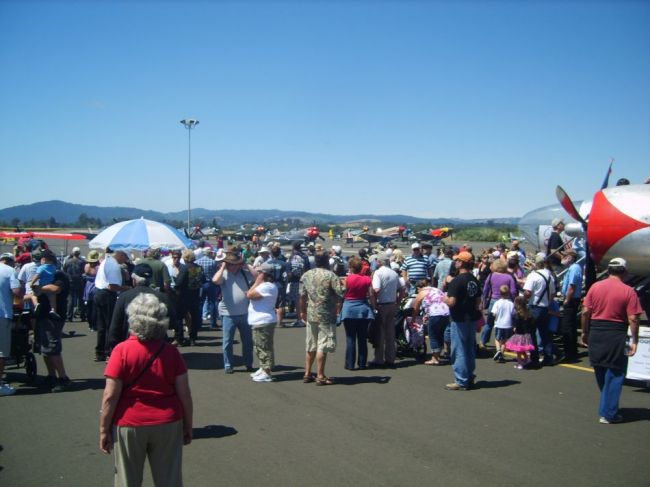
x=93 y=256
x=233 y=258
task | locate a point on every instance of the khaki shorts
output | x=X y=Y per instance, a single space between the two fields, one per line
x=321 y=337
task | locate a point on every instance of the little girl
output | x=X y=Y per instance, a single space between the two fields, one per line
x=521 y=342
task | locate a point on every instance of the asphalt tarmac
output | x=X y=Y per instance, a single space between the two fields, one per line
x=387 y=427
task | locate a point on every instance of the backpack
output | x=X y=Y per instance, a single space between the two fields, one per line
x=338 y=267
x=296 y=267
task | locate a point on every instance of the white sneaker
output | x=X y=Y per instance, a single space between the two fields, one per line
x=257 y=372
x=6 y=390
x=263 y=377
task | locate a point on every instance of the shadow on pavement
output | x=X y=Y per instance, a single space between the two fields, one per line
x=631 y=415
x=203 y=361
x=494 y=384
x=212 y=431
x=353 y=381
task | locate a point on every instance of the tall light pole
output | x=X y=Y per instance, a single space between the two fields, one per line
x=189 y=124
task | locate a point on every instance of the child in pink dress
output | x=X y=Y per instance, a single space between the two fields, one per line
x=521 y=342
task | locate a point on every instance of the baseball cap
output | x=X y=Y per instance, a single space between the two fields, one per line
x=264 y=249
x=143 y=270
x=336 y=249
x=416 y=245
x=464 y=257
x=7 y=256
x=617 y=262
x=266 y=269
x=76 y=250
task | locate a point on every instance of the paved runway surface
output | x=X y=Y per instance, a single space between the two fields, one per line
x=374 y=428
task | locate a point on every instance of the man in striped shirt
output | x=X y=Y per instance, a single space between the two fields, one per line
x=416 y=267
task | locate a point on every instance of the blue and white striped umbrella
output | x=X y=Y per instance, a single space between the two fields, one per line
x=140 y=234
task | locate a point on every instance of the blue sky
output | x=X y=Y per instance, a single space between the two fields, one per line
x=427 y=108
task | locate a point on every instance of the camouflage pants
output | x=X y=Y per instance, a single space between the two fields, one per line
x=263 y=339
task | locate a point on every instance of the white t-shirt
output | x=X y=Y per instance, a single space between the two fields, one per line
x=109 y=272
x=25 y=275
x=503 y=311
x=536 y=284
x=261 y=311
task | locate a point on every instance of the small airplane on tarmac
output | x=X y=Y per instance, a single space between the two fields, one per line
x=27 y=235
x=435 y=235
x=303 y=235
x=381 y=237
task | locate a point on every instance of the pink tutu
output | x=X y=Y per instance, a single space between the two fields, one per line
x=520 y=343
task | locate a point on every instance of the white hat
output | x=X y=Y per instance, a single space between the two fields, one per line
x=617 y=262
x=416 y=245
x=198 y=253
x=264 y=249
x=220 y=255
x=75 y=250
x=389 y=251
x=556 y=222
x=394 y=265
x=337 y=249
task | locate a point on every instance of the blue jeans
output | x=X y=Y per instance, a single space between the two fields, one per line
x=463 y=351
x=540 y=315
x=489 y=323
x=436 y=328
x=229 y=324
x=610 y=383
x=356 y=333
x=209 y=302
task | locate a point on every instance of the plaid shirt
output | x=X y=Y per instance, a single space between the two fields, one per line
x=209 y=266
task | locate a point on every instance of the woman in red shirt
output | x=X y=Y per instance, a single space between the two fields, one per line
x=147 y=404
x=357 y=314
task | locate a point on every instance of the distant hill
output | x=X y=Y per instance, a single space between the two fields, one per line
x=68 y=213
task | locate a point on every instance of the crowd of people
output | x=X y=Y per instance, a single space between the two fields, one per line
x=458 y=295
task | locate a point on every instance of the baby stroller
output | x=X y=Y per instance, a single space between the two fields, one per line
x=409 y=331
x=21 y=348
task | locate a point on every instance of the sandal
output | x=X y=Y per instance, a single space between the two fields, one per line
x=432 y=362
x=308 y=378
x=324 y=381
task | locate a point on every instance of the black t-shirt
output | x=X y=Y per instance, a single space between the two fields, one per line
x=61 y=280
x=554 y=243
x=465 y=288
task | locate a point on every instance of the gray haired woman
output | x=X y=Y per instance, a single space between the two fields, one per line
x=147 y=404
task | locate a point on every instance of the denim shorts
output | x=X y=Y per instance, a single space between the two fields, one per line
x=502 y=334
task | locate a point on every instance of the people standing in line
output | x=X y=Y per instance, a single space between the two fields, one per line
x=74 y=269
x=297 y=265
x=141 y=278
x=263 y=295
x=209 y=290
x=89 y=275
x=188 y=286
x=491 y=294
x=174 y=266
x=609 y=309
x=555 y=245
x=108 y=283
x=356 y=314
x=521 y=341
x=463 y=299
x=432 y=301
x=147 y=409
x=235 y=279
x=443 y=267
x=388 y=291
x=572 y=292
x=502 y=314
x=10 y=287
x=279 y=280
x=160 y=279
x=538 y=291
x=49 y=332
x=416 y=267
x=320 y=294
